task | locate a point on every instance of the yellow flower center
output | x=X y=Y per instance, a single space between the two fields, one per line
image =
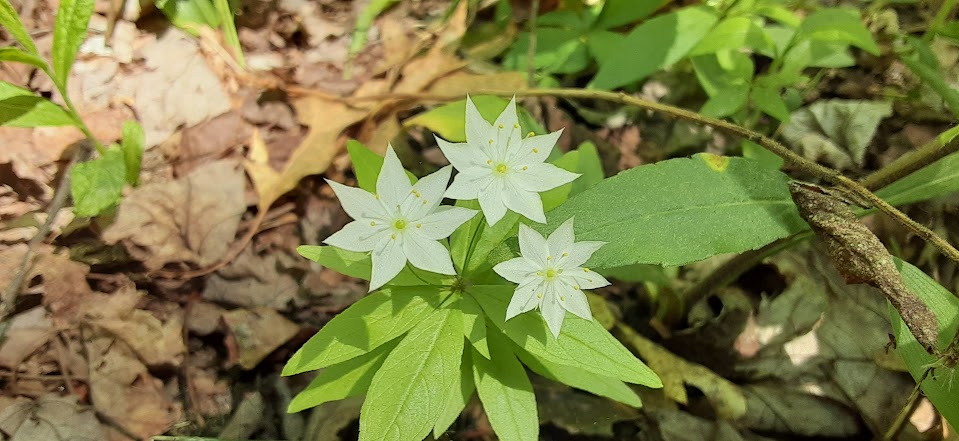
x=502 y=169
x=550 y=273
x=399 y=224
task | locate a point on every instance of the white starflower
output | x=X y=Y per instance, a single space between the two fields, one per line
x=400 y=223
x=501 y=168
x=550 y=275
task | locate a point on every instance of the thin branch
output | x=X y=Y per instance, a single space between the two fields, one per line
x=945 y=144
x=531 y=53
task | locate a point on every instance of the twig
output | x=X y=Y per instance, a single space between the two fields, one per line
x=531 y=53
x=907 y=410
x=945 y=144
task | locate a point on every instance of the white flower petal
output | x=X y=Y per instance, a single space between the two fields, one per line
x=491 y=202
x=509 y=135
x=477 y=128
x=580 y=252
x=524 y=202
x=357 y=203
x=541 y=177
x=576 y=302
x=585 y=280
x=508 y=118
x=524 y=299
x=441 y=223
x=561 y=241
x=427 y=254
x=392 y=185
x=462 y=155
x=388 y=261
x=553 y=313
x=532 y=245
x=358 y=236
x=516 y=270
x=427 y=194
x=469 y=183
x=535 y=149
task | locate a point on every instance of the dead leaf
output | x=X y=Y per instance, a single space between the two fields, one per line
x=255 y=333
x=210 y=139
x=50 y=418
x=156 y=343
x=28 y=331
x=836 y=131
x=247 y=419
x=212 y=396
x=65 y=287
x=250 y=281
x=191 y=220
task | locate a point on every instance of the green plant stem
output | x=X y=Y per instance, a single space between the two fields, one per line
x=907 y=410
x=934 y=80
x=941 y=15
x=531 y=53
x=944 y=144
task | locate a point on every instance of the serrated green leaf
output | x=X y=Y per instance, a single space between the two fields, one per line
x=585 y=161
x=474 y=324
x=342 y=380
x=733 y=33
x=581 y=379
x=506 y=392
x=364 y=326
x=940 y=386
x=839 y=25
x=934 y=180
x=133 y=145
x=582 y=344
x=21 y=108
x=449 y=120
x=459 y=396
x=409 y=391
x=360 y=265
x=98 y=184
x=682 y=210
x=654 y=45
x=11 y=22
x=69 y=31
x=19 y=56
x=616 y=13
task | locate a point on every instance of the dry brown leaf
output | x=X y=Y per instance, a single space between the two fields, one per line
x=460 y=83
x=255 y=333
x=65 y=286
x=251 y=281
x=28 y=331
x=192 y=220
x=50 y=418
x=158 y=344
x=212 y=396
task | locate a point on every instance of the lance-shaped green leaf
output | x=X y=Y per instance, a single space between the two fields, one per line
x=410 y=390
x=364 y=326
x=359 y=265
x=682 y=210
x=459 y=395
x=21 y=108
x=133 y=147
x=474 y=324
x=19 y=56
x=69 y=31
x=11 y=22
x=506 y=392
x=581 y=379
x=342 y=380
x=936 y=179
x=582 y=344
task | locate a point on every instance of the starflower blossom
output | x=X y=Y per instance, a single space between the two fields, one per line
x=501 y=168
x=400 y=223
x=550 y=276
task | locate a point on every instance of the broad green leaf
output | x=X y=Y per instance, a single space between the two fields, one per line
x=506 y=392
x=98 y=184
x=470 y=252
x=733 y=33
x=225 y=14
x=596 y=384
x=367 y=165
x=780 y=14
x=654 y=45
x=409 y=392
x=682 y=210
x=360 y=265
x=69 y=31
x=364 y=326
x=133 y=145
x=19 y=56
x=342 y=380
x=585 y=161
x=726 y=102
x=940 y=386
x=459 y=395
x=813 y=53
x=924 y=64
x=838 y=25
x=474 y=324
x=21 y=108
x=449 y=121
x=619 y=12
x=559 y=51
x=757 y=153
x=715 y=77
x=582 y=344
x=770 y=101
x=603 y=45
x=12 y=24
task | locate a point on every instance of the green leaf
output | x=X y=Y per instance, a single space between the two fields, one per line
x=596 y=384
x=98 y=184
x=342 y=380
x=582 y=344
x=359 y=265
x=836 y=131
x=770 y=101
x=225 y=14
x=726 y=101
x=934 y=180
x=812 y=53
x=69 y=31
x=654 y=45
x=190 y=15
x=470 y=255
x=638 y=273
x=11 y=22
x=603 y=45
x=19 y=56
x=585 y=161
x=21 y=108
x=364 y=326
x=363 y=21
x=940 y=386
x=757 y=153
x=780 y=14
x=619 y=12
x=558 y=51
x=133 y=146
x=733 y=33
x=474 y=324
x=408 y=393
x=726 y=83
x=367 y=165
x=459 y=396
x=506 y=392
x=682 y=210
x=449 y=120
x=930 y=72
x=840 y=25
